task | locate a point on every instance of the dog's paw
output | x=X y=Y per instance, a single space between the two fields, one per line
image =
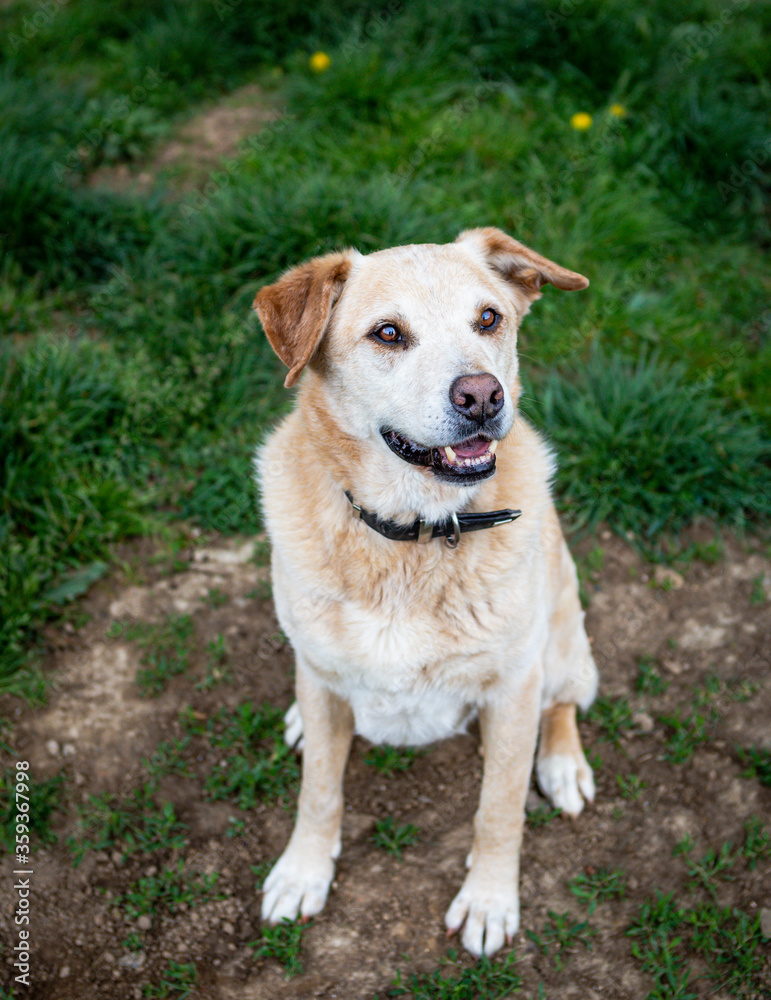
x=566 y=781
x=296 y=885
x=293 y=728
x=490 y=911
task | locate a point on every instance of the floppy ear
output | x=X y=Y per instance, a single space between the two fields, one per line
x=519 y=264
x=295 y=310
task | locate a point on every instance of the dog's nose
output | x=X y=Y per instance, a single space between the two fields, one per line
x=478 y=397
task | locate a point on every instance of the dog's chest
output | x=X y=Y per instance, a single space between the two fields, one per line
x=413 y=652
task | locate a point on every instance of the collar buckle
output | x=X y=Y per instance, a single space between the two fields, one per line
x=451 y=541
x=425 y=532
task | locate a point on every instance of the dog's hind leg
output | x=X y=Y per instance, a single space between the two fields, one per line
x=570 y=679
x=563 y=772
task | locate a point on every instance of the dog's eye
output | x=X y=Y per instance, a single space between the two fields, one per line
x=388 y=334
x=489 y=319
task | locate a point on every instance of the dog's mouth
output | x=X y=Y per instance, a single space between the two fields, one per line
x=466 y=462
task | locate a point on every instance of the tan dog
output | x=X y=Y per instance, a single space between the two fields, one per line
x=407 y=415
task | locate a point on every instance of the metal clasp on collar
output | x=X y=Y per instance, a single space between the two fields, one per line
x=425 y=532
x=452 y=542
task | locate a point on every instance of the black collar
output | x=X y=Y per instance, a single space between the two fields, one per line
x=422 y=531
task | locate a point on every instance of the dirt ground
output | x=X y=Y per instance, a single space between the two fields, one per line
x=383 y=913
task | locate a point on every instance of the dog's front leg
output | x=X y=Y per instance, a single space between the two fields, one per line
x=489 y=898
x=300 y=879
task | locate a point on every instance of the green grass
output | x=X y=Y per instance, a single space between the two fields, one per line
x=43 y=798
x=631 y=786
x=649 y=679
x=392 y=837
x=388 y=760
x=165 y=649
x=687 y=732
x=597 y=887
x=757 y=763
x=757 y=842
x=283 y=943
x=645 y=451
x=257 y=765
x=561 y=936
x=168 y=758
x=136 y=823
x=170 y=889
x=613 y=716
x=541 y=816
x=487 y=979
x=685 y=944
x=178 y=981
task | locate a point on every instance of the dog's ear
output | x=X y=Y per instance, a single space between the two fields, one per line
x=519 y=264
x=295 y=311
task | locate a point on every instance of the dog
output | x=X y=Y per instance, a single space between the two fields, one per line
x=414 y=595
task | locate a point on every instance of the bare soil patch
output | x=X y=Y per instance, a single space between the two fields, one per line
x=197 y=146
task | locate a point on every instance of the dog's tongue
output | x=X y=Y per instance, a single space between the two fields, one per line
x=471 y=449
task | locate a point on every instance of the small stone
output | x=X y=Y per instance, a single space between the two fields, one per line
x=117 y=858
x=52 y=747
x=151 y=870
x=144 y=923
x=134 y=960
x=64 y=972
x=643 y=722
x=68 y=750
x=115 y=913
x=108 y=958
x=696 y=636
x=80 y=779
x=765 y=922
x=228 y=928
x=605 y=535
x=533 y=801
x=666 y=577
x=673 y=666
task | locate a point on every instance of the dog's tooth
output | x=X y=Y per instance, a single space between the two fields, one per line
x=449 y=453
x=493 y=446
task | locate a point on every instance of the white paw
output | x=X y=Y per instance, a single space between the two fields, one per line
x=491 y=913
x=293 y=727
x=296 y=885
x=566 y=781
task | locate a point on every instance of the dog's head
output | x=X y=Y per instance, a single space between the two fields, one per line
x=416 y=345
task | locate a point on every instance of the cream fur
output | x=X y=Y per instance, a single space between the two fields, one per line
x=406 y=642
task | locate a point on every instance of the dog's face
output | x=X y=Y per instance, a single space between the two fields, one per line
x=416 y=344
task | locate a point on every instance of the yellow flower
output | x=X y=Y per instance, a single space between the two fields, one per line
x=581 y=121
x=319 y=62
x=618 y=110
